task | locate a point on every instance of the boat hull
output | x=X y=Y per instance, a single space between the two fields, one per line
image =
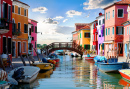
x=112 y=67
x=125 y=73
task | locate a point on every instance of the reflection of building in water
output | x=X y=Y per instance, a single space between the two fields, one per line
x=84 y=74
x=93 y=73
x=125 y=83
x=108 y=86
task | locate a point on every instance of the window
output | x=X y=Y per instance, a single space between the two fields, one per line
x=32 y=28
x=5 y=5
x=119 y=30
x=103 y=46
x=35 y=29
x=103 y=21
x=87 y=35
x=99 y=35
x=99 y=22
x=25 y=28
x=127 y=30
x=4 y=45
x=9 y=45
x=80 y=35
x=124 y=30
x=99 y=46
x=18 y=26
x=113 y=13
x=29 y=31
x=113 y=31
x=120 y=12
x=24 y=45
x=19 y=10
x=106 y=16
x=9 y=12
x=13 y=8
x=103 y=32
x=87 y=47
x=32 y=38
x=25 y=12
x=106 y=31
x=30 y=46
x=35 y=44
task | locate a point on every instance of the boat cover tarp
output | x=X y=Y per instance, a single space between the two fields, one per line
x=100 y=59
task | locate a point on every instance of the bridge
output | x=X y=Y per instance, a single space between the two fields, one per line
x=63 y=46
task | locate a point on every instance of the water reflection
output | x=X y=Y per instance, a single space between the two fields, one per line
x=124 y=83
x=75 y=73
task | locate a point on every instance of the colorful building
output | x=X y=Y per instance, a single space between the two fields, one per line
x=100 y=29
x=95 y=36
x=126 y=41
x=32 y=44
x=6 y=27
x=115 y=15
x=75 y=34
x=20 y=28
x=91 y=37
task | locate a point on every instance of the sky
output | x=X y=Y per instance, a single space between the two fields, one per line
x=57 y=18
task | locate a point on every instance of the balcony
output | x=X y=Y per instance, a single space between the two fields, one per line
x=4 y=25
x=15 y=32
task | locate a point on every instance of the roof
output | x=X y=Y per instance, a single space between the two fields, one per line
x=122 y=2
x=100 y=16
x=86 y=27
x=81 y=24
x=33 y=20
x=21 y=2
x=125 y=23
x=94 y=21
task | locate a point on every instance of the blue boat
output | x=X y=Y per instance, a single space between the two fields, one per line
x=113 y=66
x=100 y=59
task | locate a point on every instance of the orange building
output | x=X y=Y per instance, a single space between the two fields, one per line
x=20 y=28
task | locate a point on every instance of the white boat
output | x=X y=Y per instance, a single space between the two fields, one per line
x=29 y=74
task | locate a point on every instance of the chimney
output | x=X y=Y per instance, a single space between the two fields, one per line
x=100 y=14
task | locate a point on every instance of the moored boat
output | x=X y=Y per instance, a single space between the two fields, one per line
x=43 y=66
x=24 y=74
x=112 y=67
x=125 y=73
x=88 y=57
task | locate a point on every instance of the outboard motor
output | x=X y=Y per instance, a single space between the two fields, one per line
x=18 y=74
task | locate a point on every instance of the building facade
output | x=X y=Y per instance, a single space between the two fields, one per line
x=115 y=15
x=100 y=29
x=33 y=35
x=20 y=28
x=91 y=37
x=6 y=27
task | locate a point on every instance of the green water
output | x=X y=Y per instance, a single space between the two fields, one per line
x=76 y=74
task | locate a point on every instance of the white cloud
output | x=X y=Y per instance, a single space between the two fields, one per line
x=95 y=4
x=58 y=17
x=71 y=13
x=40 y=9
x=50 y=21
x=65 y=20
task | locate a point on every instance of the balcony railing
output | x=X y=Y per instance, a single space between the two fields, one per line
x=4 y=25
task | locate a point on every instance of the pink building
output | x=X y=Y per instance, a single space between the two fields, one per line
x=115 y=15
x=33 y=35
x=127 y=34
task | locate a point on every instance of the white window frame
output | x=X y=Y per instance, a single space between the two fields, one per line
x=123 y=12
x=24 y=12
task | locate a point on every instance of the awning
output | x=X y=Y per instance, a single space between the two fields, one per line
x=108 y=41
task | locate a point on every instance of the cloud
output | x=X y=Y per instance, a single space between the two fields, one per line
x=71 y=13
x=50 y=21
x=64 y=29
x=95 y=4
x=40 y=9
x=58 y=18
x=65 y=20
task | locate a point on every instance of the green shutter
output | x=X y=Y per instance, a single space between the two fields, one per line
x=88 y=47
x=99 y=46
x=84 y=47
x=106 y=31
x=113 y=30
x=80 y=35
x=103 y=46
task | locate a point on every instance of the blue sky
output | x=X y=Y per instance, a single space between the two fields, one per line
x=57 y=17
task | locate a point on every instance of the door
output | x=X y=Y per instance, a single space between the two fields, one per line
x=120 y=49
x=19 y=48
x=13 y=49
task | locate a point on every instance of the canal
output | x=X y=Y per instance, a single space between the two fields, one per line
x=74 y=73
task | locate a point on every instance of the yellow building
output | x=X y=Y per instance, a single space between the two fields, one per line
x=20 y=28
x=84 y=37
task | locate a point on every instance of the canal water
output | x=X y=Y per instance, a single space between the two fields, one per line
x=74 y=73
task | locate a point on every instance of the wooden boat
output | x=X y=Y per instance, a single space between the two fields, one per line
x=125 y=73
x=112 y=67
x=43 y=66
x=88 y=57
x=28 y=75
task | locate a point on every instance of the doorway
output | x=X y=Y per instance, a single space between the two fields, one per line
x=120 y=49
x=19 y=48
x=13 y=49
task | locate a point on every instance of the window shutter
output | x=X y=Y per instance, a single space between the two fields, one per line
x=26 y=28
x=116 y=30
x=123 y=30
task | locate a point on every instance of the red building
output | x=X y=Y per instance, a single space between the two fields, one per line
x=5 y=27
x=95 y=35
